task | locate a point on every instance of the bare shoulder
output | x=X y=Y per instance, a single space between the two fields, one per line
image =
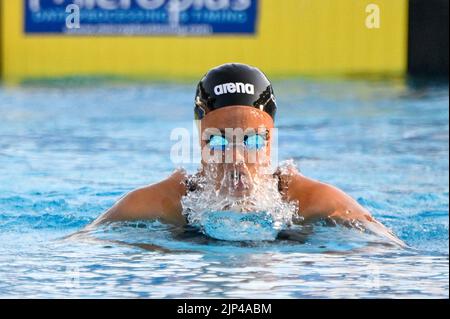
x=318 y=199
x=321 y=200
x=157 y=201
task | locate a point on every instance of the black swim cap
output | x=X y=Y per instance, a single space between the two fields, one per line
x=234 y=84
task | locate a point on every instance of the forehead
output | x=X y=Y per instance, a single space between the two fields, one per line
x=243 y=117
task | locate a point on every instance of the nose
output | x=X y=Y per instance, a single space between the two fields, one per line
x=239 y=155
x=235 y=161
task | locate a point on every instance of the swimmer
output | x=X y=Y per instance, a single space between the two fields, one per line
x=239 y=97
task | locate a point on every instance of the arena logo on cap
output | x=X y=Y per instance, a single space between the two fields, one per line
x=237 y=87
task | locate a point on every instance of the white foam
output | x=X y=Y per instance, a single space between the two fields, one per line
x=210 y=199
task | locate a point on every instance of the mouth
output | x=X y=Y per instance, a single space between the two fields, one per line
x=238 y=180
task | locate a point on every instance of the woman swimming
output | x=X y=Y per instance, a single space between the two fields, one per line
x=235 y=107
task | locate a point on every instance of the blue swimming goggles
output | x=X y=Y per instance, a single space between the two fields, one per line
x=251 y=142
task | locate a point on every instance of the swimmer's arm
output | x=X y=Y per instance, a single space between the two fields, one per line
x=319 y=200
x=158 y=201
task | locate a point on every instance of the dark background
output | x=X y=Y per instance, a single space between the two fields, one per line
x=428 y=37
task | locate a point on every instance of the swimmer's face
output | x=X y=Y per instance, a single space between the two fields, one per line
x=236 y=144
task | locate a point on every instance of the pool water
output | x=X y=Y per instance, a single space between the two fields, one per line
x=67 y=153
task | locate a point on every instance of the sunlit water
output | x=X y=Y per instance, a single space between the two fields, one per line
x=66 y=155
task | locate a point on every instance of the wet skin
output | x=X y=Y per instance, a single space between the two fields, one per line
x=317 y=200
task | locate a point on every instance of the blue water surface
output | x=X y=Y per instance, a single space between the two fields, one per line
x=68 y=152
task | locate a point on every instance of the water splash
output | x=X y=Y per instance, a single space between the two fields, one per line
x=258 y=213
